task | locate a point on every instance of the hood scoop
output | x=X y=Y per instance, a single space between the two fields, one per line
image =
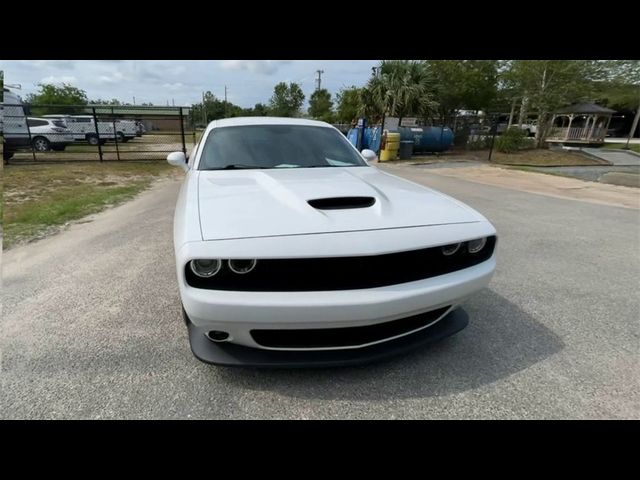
x=341 y=203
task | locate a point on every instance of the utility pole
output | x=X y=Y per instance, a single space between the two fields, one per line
x=134 y=100
x=204 y=113
x=225 y=101
x=319 y=79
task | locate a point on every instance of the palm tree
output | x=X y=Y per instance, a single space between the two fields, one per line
x=399 y=88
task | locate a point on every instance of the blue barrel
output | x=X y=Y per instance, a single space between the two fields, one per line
x=370 y=139
x=428 y=139
x=352 y=136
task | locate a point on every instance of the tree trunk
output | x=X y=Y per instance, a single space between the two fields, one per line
x=523 y=111
x=633 y=127
x=513 y=109
x=543 y=128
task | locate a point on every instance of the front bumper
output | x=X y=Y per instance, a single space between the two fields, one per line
x=228 y=354
x=237 y=313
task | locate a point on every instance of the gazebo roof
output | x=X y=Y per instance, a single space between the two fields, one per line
x=585 y=107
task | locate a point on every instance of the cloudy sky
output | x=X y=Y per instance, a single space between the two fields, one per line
x=183 y=81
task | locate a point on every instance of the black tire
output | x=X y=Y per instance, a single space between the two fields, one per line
x=120 y=137
x=7 y=155
x=126 y=139
x=41 y=144
x=93 y=140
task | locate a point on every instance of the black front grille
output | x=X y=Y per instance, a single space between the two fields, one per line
x=346 y=336
x=342 y=273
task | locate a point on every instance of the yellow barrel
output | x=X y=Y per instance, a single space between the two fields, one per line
x=391 y=147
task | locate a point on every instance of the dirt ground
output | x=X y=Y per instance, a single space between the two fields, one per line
x=550 y=185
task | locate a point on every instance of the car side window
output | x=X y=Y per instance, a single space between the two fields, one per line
x=37 y=123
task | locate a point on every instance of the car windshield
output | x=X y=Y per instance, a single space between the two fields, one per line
x=277 y=146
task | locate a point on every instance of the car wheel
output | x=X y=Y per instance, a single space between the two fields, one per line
x=125 y=140
x=92 y=139
x=120 y=137
x=40 y=144
x=7 y=155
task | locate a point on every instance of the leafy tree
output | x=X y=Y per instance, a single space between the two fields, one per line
x=260 y=110
x=463 y=84
x=617 y=84
x=213 y=108
x=399 y=88
x=349 y=104
x=546 y=85
x=50 y=94
x=321 y=106
x=286 y=100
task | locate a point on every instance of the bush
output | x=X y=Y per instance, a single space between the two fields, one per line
x=479 y=142
x=513 y=140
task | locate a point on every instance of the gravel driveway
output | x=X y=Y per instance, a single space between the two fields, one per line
x=92 y=326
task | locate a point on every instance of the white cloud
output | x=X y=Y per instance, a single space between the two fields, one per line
x=115 y=77
x=174 y=87
x=59 y=79
x=263 y=67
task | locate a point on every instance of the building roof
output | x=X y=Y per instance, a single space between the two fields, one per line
x=585 y=107
x=132 y=110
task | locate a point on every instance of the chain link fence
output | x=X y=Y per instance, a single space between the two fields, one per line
x=64 y=133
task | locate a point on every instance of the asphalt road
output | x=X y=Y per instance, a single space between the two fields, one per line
x=92 y=328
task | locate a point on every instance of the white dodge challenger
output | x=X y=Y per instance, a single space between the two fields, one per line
x=293 y=249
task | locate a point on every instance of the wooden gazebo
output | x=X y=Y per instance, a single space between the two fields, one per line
x=580 y=123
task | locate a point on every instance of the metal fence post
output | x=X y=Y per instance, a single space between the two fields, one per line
x=95 y=124
x=33 y=150
x=115 y=132
x=184 y=145
x=494 y=130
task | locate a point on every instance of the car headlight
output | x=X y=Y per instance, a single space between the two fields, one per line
x=476 y=245
x=205 y=268
x=448 y=250
x=242 y=266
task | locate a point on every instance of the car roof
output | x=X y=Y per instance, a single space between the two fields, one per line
x=242 y=121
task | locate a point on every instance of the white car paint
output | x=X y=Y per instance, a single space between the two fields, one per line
x=48 y=132
x=264 y=214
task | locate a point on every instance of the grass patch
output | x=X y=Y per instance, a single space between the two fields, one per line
x=632 y=146
x=544 y=158
x=39 y=199
x=534 y=158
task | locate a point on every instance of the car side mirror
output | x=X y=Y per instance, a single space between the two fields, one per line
x=370 y=156
x=178 y=159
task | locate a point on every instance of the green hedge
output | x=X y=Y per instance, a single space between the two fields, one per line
x=513 y=140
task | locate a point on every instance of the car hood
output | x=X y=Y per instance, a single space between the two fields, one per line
x=260 y=203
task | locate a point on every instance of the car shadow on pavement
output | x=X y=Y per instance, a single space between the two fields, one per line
x=501 y=340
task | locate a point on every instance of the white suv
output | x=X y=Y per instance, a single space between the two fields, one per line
x=126 y=130
x=48 y=134
x=83 y=128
